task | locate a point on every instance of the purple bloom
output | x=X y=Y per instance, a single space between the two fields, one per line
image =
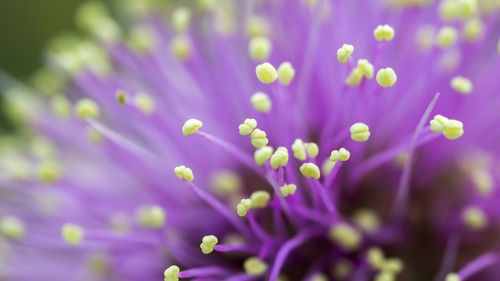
x=262 y=140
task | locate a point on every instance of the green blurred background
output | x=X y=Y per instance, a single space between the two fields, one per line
x=25 y=28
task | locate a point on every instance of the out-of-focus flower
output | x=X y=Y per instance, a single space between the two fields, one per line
x=260 y=140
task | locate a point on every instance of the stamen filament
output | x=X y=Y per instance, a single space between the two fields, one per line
x=478 y=264
x=204 y=271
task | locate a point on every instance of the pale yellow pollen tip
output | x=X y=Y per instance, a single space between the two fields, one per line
x=191 y=126
x=266 y=73
x=453 y=277
x=340 y=155
x=286 y=72
x=86 y=107
x=474 y=218
x=461 y=85
x=72 y=233
x=262 y=154
x=360 y=132
x=260 y=198
x=345 y=236
x=288 y=189
x=384 y=32
x=386 y=77
x=152 y=216
x=310 y=170
x=172 y=273
x=446 y=37
x=279 y=157
x=344 y=53
x=208 y=243
x=184 y=173
x=254 y=266
x=247 y=127
x=261 y=102
x=259 y=138
x=243 y=207
x=121 y=97
x=259 y=48
x=12 y=227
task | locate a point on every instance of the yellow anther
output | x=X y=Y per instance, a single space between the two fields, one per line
x=366 y=68
x=207 y=244
x=258 y=138
x=342 y=269
x=312 y=149
x=180 y=19
x=184 y=173
x=259 y=48
x=467 y=8
x=448 y=10
x=385 y=276
x=345 y=236
x=327 y=167
x=344 y=53
x=386 y=77
x=438 y=124
x=453 y=277
x=367 y=220
x=243 y=207
x=279 y=157
x=254 y=266
x=384 y=32
x=257 y=26
x=151 y=216
x=288 y=189
x=286 y=72
x=49 y=171
x=121 y=97
x=61 y=106
x=261 y=102
x=453 y=130
x=206 y=5
x=299 y=150
x=72 y=233
x=226 y=182
x=191 y=126
x=310 y=170
x=94 y=135
x=483 y=180
x=340 y=155
x=247 y=127
x=145 y=103
x=262 y=154
x=12 y=227
x=375 y=257
x=266 y=73
x=86 y=107
x=260 y=198
x=319 y=277
x=172 y=273
x=425 y=37
x=141 y=39
x=354 y=77
x=461 y=85
x=393 y=265
x=181 y=46
x=360 y=132
x=474 y=218
x=473 y=29
x=446 y=37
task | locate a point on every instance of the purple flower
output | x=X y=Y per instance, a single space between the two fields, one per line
x=261 y=140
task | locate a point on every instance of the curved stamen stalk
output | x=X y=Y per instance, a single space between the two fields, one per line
x=478 y=264
x=204 y=271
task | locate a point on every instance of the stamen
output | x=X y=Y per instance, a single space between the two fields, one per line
x=49 y=171
x=344 y=53
x=474 y=218
x=346 y=236
x=384 y=32
x=87 y=107
x=172 y=273
x=141 y=39
x=262 y=154
x=266 y=73
x=342 y=269
x=259 y=48
x=454 y=129
x=145 y=103
x=260 y=199
x=243 y=207
x=254 y=266
x=259 y=138
x=367 y=220
x=354 y=77
x=473 y=29
x=340 y=155
x=247 y=127
x=181 y=18
x=72 y=233
x=310 y=170
x=279 y=157
x=375 y=257
x=386 y=77
x=151 y=216
x=257 y=26
x=312 y=149
x=299 y=150
x=208 y=243
x=286 y=72
x=453 y=277
x=226 y=182
x=366 y=68
x=478 y=264
x=261 y=102
x=12 y=227
x=180 y=46
x=439 y=123
x=184 y=173
x=360 y=132
x=288 y=189
x=461 y=85
x=191 y=126
x=446 y=37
